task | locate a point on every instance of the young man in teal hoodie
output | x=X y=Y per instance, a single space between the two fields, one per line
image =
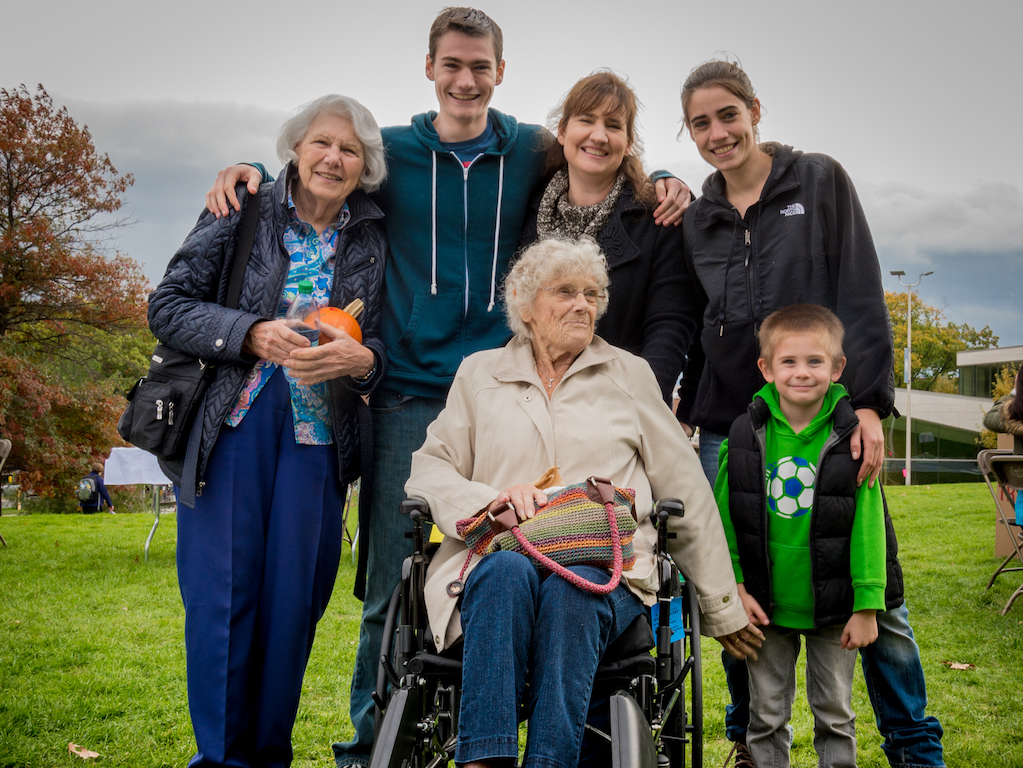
x=807 y=543
x=455 y=199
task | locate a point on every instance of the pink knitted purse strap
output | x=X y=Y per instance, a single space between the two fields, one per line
x=572 y=578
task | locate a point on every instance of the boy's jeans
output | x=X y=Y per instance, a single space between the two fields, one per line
x=772 y=683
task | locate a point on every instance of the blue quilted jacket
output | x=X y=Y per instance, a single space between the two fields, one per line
x=186 y=312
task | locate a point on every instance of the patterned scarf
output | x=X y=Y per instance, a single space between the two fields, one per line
x=559 y=218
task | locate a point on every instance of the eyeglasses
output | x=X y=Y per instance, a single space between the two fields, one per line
x=566 y=293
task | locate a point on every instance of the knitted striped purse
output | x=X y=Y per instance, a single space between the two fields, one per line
x=589 y=523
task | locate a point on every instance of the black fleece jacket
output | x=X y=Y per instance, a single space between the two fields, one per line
x=805 y=241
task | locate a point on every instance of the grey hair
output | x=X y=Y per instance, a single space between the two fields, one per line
x=366 y=129
x=545 y=262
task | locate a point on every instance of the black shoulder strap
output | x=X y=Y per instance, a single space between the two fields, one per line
x=247 y=233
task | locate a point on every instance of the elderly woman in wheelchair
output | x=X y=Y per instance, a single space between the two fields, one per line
x=556 y=396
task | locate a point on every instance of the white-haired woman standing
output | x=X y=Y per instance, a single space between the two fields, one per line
x=261 y=484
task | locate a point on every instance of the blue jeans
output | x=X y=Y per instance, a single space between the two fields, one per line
x=399 y=429
x=898 y=694
x=518 y=626
x=710 y=448
x=772 y=684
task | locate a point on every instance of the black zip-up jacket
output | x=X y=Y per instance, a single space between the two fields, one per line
x=805 y=241
x=186 y=312
x=834 y=508
x=653 y=311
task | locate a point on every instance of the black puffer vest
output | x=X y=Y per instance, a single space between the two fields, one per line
x=834 y=507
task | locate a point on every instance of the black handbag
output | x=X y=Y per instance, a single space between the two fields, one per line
x=163 y=404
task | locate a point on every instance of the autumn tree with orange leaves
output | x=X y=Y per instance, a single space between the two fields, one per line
x=72 y=315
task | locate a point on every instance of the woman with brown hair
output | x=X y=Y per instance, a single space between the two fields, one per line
x=595 y=185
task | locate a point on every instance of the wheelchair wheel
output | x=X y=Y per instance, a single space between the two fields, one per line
x=417 y=698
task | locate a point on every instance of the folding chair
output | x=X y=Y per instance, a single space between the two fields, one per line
x=1007 y=470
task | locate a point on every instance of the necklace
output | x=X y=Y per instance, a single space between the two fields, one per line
x=550 y=381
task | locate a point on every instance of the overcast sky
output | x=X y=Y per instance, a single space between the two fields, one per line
x=918 y=100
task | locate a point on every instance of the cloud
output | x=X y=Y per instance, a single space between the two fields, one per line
x=174 y=150
x=988 y=217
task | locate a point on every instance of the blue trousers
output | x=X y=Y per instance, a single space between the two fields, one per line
x=521 y=626
x=399 y=429
x=257 y=559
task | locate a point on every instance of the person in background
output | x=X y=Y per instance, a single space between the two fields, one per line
x=100 y=496
x=774 y=227
x=1006 y=415
x=455 y=202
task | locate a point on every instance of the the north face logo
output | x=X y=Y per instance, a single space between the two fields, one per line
x=795 y=209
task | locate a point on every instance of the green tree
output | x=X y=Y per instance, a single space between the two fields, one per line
x=935 y=343
x=71 y=316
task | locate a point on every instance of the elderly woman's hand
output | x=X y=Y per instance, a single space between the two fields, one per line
x=343 y=356
x=272 y=340
x=524 y=497
x=744 y=643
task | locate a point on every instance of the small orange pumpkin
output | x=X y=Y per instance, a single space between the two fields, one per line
x=345 y=319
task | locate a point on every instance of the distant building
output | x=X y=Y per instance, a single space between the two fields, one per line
x=945 y=432
x=978 y=368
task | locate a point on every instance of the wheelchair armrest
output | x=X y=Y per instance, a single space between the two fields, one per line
x=666 y=508
x=416 y=508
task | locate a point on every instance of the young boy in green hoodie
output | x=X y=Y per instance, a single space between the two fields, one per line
x=807 y=543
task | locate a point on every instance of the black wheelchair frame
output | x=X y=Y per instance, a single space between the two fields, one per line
x=418 y=690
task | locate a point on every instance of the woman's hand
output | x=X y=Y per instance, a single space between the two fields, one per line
x=222 y=191
x=672 y=201
x=272 y=340
x=744 y=643
x=343 y=356
x=524 y=497
x=868 y=440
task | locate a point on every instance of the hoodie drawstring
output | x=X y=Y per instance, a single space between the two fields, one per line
x=497 y=236
x=433 y=284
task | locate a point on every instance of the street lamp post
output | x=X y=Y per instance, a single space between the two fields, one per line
x=908 y=366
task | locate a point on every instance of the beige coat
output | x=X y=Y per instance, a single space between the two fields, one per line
x=606 y=418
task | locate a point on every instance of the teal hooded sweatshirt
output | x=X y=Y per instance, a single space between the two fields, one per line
x=451 y=232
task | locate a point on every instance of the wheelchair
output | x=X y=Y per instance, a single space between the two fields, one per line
x=645 y=673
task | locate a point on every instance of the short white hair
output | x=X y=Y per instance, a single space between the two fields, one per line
x=547 y=262
x=366 y=129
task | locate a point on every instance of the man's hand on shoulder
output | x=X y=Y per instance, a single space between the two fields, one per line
x=222 y=192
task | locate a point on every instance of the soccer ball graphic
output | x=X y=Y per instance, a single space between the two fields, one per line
x=790 y=487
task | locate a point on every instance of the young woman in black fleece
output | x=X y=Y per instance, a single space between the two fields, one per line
x=774 y=227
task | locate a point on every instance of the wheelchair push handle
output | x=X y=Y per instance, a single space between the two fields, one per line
x=417 y=509
x=669 y=508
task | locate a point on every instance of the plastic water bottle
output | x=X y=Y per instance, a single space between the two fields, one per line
x=300 y=308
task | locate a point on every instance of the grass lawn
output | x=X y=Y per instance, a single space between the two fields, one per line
x=91 y=647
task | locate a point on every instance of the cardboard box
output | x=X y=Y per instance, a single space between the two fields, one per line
x=1003 y=544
